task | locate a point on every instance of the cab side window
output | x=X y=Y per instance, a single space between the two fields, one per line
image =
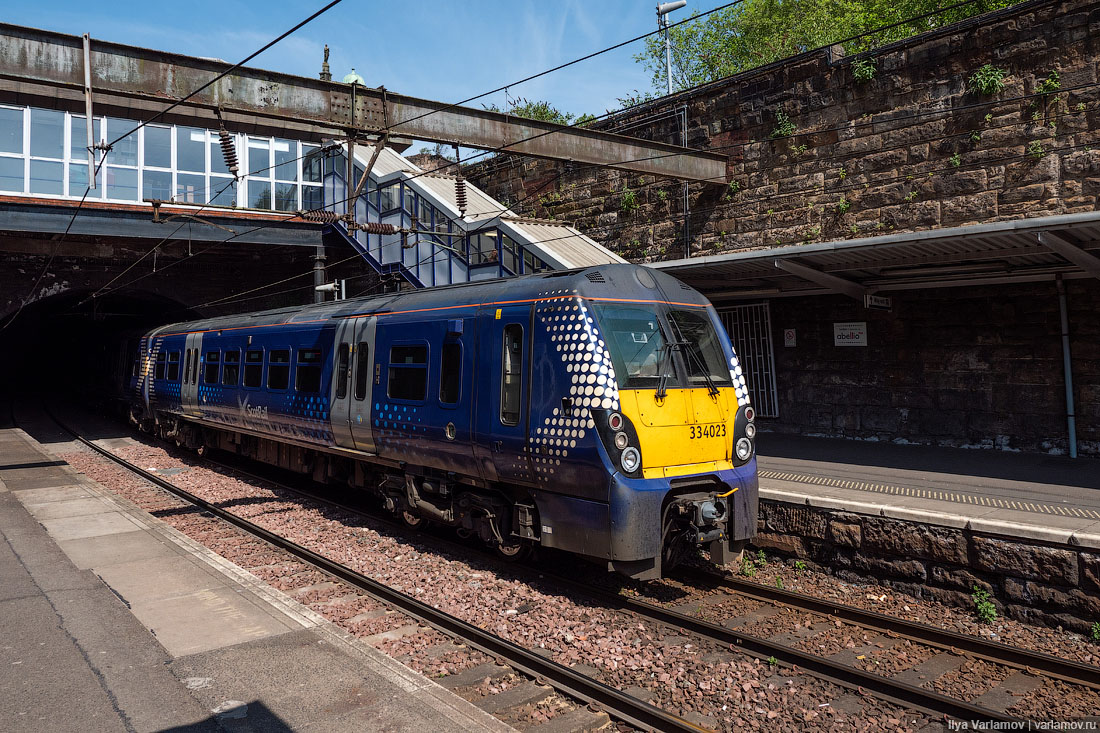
x=511 y=385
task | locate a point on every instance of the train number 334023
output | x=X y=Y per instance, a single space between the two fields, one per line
x=717 y=430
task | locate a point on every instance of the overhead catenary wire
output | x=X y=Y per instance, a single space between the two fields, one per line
x=847 y=126
x=172 y=106
x=228 y=71
x=611 y=226
x=54 y=249
x=153 y=249
x=771 y=198
x=608 y=114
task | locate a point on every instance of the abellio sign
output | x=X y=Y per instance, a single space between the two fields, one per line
x=852 y=333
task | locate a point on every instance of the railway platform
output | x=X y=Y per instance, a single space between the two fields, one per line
x=114 y=621
x=1053 y=499
x=940 y=523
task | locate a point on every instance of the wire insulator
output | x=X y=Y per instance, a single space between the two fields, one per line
x=320 y=215
x=460 y=195
x=229 y=150
x=374 y=227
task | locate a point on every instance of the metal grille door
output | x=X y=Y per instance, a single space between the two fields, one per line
x=750 y=329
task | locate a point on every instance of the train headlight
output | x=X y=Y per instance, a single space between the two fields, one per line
x=615 y=421
x=743 y=448
x=630 y=460
x=620 y=440
x=750 y=430
x=750 y=414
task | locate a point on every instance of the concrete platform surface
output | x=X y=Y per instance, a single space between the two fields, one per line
x=1049 y=498
x=114 y=621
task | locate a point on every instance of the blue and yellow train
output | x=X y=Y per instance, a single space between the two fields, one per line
x=600 y=411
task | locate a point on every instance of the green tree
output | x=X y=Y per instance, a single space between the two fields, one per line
x=540 y=110
x=758 y=32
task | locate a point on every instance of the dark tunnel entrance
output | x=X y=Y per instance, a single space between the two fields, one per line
x=63 y=347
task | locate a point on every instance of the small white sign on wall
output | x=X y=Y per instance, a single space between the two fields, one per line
x=790 y=338
x=852 y=333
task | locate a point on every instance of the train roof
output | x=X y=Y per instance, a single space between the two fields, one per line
x=614 y=281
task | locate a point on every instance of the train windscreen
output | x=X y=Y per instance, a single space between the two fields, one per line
x=643 y=338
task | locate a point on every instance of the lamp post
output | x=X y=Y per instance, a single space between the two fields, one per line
x=663 y=9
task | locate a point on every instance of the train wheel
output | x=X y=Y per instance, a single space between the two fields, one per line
x=415 y=521
x=516 y=552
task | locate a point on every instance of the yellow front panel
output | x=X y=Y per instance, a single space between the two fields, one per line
x=689 y=431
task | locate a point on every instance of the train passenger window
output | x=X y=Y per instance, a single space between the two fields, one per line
x=408 y=374
x=362 y=369
x=173 y=366
x=450 y=373
x=210 y=371
x=342 y=358
x=187 y=367
x=253 y=368
x=231 y=374
x=278 y=369
x=307 y=375
x=158 y=369
x=195 y=366
x=511 y=374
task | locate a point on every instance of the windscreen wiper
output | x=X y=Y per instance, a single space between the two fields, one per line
x=663 y=367
x=692 y=353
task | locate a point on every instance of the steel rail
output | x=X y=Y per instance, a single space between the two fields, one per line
x=845 y=675
x=838 y=673
x=1048 y=665
x=616 y=703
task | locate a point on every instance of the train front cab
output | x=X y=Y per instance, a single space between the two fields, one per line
x=681 y=446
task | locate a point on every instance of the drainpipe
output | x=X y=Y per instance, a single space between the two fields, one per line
x=1067 y=366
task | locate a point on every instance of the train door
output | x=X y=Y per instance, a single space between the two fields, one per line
x=503 y=395
x=189 y=388
x=351 y=383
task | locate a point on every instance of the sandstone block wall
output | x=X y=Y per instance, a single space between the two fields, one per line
x=1037 y=582
x=914 y=148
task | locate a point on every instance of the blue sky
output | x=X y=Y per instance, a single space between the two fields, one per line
x=439 y=50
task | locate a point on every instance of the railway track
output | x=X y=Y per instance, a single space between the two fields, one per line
x=862 y=681
x=953 y=642
x=620 y=706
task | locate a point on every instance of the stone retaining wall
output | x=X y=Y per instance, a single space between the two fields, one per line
x=816 y=155
x=1029 y=580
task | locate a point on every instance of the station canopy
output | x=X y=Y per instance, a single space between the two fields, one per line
x=1041 y=249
